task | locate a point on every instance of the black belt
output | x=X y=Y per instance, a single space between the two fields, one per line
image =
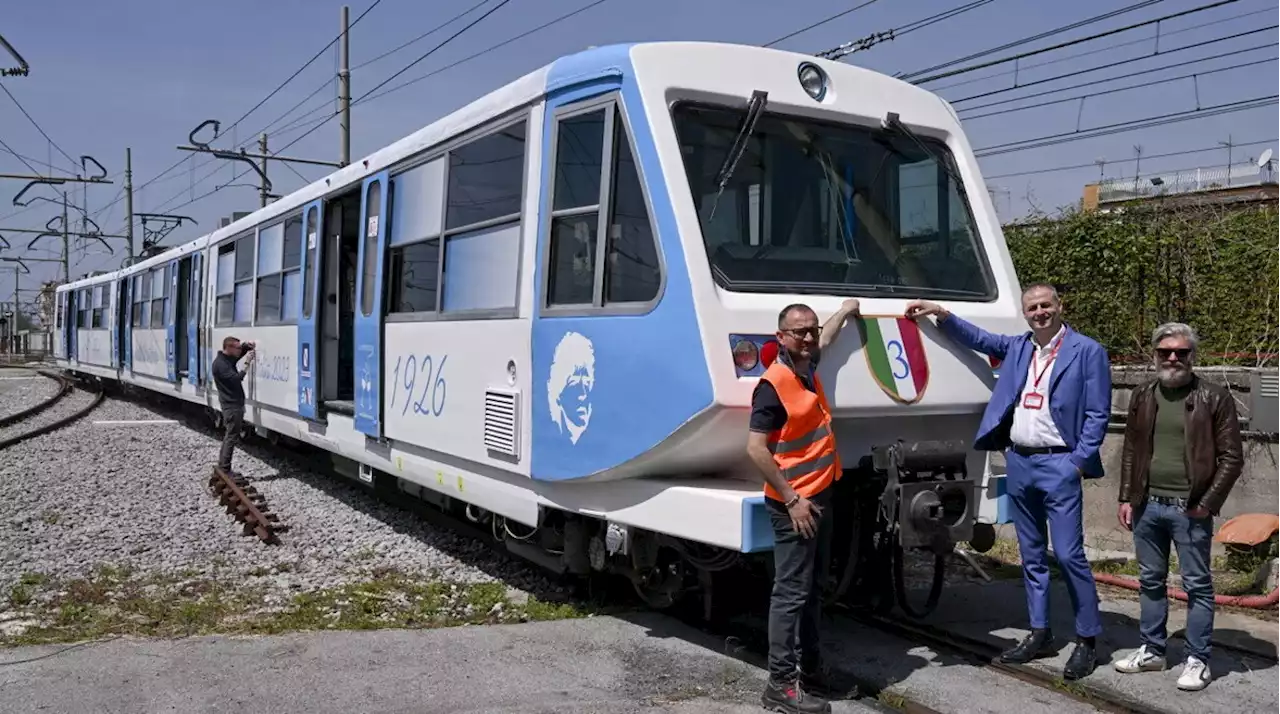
x=1169 y=500
x=1034 y=450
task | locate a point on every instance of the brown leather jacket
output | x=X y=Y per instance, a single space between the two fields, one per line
x=1213 y=451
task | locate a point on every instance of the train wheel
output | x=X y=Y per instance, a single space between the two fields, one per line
x=215 y=417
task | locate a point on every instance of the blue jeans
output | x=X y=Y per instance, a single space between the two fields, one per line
x=796 y=602
x=1155 y=526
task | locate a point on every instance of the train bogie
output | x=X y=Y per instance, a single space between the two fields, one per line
x=553 y=304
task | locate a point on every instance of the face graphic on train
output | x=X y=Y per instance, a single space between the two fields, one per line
x=573 y=376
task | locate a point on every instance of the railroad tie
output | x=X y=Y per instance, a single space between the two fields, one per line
x=242 y=500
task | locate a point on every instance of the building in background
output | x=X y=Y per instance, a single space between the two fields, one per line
x=1236 y=184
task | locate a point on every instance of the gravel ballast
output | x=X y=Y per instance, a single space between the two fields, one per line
x=125 y=509
x=22 y=389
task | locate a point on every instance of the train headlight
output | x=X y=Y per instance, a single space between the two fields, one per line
x=814 y=80
x=746 y=355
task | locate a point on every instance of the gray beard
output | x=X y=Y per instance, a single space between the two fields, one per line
x=1174 y=379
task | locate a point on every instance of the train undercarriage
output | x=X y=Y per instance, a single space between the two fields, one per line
x=900 y=499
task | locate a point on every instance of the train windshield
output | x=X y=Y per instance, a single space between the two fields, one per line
x=813 y=207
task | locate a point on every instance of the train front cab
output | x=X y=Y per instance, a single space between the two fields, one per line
x=834 y=197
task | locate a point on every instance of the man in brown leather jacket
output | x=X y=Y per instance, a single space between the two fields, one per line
x=1181 y=457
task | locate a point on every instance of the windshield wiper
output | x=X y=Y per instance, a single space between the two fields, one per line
x=754 y=109
x=892 y=121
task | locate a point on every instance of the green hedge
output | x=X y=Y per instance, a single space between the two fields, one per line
x=1122 y=274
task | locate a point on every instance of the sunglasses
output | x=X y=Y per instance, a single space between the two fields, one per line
x=1182 y=352
x=800 y=332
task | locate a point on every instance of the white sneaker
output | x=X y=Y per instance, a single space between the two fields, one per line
x=1195 y=675
x=1140 y=660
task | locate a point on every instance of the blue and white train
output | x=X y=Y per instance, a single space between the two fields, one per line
x=551 y=306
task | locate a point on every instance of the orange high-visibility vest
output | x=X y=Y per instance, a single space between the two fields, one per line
x=805 y=447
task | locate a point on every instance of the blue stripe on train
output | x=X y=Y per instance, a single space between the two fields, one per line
x=606 y=388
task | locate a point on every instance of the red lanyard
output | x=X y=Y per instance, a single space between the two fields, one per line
x=1052 y=356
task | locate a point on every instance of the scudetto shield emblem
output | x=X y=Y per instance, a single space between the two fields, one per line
x=895 y=355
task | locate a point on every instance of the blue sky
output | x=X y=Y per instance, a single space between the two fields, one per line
x=144 y=73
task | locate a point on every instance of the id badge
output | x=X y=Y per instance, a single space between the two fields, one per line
x=1033 y=401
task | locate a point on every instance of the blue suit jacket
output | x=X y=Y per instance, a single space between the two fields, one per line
x=1079 y=389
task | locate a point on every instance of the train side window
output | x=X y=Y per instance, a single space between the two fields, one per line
x=291 y=281
x=242 y=303
x=603 y=249
x=416 y=224
x=135 y=296
x=309 y=280
x=224 y=291
x=486 y=178
x=481 y=251
x=372 y=233
x=145 y=277
x=159 y=288
x=99 y=312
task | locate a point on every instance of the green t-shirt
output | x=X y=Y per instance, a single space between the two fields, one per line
x=1168 y=474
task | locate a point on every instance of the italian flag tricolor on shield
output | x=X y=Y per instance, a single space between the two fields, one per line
x=895 y=355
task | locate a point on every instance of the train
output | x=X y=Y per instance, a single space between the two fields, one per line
x=547 y=310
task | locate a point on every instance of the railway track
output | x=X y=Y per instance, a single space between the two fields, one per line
x=744 y=637
x=247 y=505
x=55 y=406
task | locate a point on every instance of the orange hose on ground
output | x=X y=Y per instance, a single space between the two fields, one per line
x=1255 y=602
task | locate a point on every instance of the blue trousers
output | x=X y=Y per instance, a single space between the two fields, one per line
x=1046 y=487
x=1154 y=526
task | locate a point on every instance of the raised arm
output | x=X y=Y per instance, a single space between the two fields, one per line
x=960 y=330
x=831 y=330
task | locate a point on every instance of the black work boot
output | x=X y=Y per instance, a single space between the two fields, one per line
x=1082 y=661
x=788 y=697
x=1037 y=644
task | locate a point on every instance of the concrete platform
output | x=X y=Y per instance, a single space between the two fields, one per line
x=646 y=663
x=1243 y=681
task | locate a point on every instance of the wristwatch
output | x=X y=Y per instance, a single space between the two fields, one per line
x=794 y=500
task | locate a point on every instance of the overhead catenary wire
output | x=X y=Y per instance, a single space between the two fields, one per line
x=1103 y=92
x=820 y=23
x=1032 y=38
x=1160 y=35
x=1088 y=70
x=1069 y=43
x=1094 y=166
x=1121 y=127
x=188 y=157
x=36 y=124
x=364 y=96
x=849 y=48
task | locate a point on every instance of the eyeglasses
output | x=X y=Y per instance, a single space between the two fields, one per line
x=1182 y=352
x=800 y=332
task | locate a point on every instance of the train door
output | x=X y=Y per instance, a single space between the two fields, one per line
x=331 y=325
x=311 y=310
x=194 y=282
x=125 y=322
x=181 y=322
x=114 y=323
x=73 y=324
x=374 y=224
x=170 y=324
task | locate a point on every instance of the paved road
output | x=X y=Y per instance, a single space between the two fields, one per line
x=644 y=664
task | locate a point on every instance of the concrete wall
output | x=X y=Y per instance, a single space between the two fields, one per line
x=1256 y=491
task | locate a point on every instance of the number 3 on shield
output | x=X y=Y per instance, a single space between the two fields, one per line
x=906 y=366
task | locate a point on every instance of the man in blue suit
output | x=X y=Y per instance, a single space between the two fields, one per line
x=1050 y=410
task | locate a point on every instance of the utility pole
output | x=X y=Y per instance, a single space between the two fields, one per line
x=265 y=191
x=128 y=199
x=66 y=243
x=258 y=162
x=344 y=91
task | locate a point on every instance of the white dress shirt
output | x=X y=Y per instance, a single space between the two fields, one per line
x=1034 y=427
